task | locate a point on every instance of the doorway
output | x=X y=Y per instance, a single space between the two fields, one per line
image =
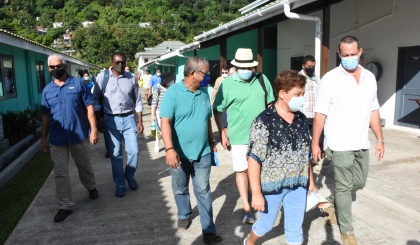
x=407 y=110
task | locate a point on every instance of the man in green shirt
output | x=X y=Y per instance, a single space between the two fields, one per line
x=244 y=98
x=186 y=131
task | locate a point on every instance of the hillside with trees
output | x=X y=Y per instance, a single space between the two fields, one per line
x=115 y=24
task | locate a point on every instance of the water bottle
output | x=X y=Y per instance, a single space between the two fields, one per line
x=153 y=130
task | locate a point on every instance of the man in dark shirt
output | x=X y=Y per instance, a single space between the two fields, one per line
x=69 y=117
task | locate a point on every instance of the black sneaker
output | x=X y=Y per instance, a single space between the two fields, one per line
x=184 y=224
x=93 y=194
x=62 y=215
x=211 y=237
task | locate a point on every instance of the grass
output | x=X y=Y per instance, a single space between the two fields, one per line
x=17 y=195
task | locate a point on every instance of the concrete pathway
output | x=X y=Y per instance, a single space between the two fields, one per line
x=387 y=211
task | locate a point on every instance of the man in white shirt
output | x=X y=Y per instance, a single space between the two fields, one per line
x=347 y=104
x=146 y=81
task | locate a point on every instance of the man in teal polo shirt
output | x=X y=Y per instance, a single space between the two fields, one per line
x=243 y=97
x=186 y=131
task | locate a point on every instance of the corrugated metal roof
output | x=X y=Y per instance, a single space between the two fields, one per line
x=44 y=46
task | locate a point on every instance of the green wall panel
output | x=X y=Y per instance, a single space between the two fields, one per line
x=244 y=40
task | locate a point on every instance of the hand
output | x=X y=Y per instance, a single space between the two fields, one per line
x=44 y=145
x=311 y=188
x=213 y=147
x=380 y=151
x=100 y=125
x=153 y=118
x=225 y=142
x=94 y=137
x=140 y=127
x=258 y=202
x=172 y=159
x=316 y=153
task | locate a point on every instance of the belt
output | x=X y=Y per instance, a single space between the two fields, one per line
x=121 y=115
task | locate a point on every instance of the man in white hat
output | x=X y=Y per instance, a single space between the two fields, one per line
x=243 y=97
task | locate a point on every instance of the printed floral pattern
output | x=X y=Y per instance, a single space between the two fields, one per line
x=282 y=149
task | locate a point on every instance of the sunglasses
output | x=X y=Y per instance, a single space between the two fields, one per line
x=205 y=73
x=59 y=66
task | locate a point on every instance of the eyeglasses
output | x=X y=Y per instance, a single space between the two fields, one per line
x=59 y=66
x=205 y=73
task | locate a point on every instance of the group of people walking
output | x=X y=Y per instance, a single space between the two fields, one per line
x=273 y=131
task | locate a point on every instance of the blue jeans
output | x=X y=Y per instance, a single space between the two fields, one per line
x=294 y=203
x=117 y=129
x=199 y=171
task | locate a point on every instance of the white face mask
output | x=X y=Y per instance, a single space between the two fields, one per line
x=225 y=75
x=158 y=74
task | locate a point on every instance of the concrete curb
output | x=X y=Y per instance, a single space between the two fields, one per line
x=10 y=171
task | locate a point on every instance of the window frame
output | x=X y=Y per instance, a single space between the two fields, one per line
x=39 y=62
x=2 y=76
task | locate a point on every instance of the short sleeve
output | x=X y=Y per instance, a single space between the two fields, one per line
x=323 y=97
x=269 y=88
x=167 y=106
x=45 y=107
x=258 y=140
x=86 y=95
x=219 y=102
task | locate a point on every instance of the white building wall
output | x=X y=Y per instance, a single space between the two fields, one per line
x=382 y=26
x=295 y=38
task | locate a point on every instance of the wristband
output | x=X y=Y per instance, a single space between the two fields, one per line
x=380 y=141
x=168 y=149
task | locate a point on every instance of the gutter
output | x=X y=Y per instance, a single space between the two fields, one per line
x=317 y=21
x=273 y=10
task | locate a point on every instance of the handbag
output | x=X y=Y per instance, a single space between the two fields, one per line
x=140 y=83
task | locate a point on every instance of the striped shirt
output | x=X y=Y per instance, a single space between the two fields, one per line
x=157 y=96
x=311 y=90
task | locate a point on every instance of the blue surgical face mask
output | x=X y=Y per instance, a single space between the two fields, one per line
x=244 y=74
x=350 y=63
x=296 y=103
x=158 y=74
x=205 y=81
x=87 y=78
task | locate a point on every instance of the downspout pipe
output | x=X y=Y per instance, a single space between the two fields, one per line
x=317 y=21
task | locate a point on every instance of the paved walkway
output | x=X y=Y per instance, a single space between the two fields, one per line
x=387 y=211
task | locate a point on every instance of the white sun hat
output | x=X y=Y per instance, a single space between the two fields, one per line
x=244 y=58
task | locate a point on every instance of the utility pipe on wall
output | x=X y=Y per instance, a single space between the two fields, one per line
x=290 y=15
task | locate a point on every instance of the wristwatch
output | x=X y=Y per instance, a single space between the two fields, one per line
x=380 y=141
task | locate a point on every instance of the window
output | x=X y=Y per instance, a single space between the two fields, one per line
x=40 y=75
x=7 y=77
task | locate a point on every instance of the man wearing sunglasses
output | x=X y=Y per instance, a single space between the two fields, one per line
x=69 y=117
x=119 y=93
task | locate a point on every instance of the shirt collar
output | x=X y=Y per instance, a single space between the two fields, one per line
x=238 y=79
x=362 y=73
x=185 y=89
x=273 y=112
x=112 y=73
x=67 y=82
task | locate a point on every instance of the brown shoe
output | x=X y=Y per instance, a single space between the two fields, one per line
x=329 y=215
x=348 y=238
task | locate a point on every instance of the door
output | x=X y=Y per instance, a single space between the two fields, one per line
x=407 y=110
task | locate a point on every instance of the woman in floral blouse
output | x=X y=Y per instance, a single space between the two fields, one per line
x=278 y=162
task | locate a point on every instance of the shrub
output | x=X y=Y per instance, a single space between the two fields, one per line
x=18 y=125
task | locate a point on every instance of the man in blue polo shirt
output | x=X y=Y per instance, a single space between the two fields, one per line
x=154 y=82
x=69 y=117
x=187 y=134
